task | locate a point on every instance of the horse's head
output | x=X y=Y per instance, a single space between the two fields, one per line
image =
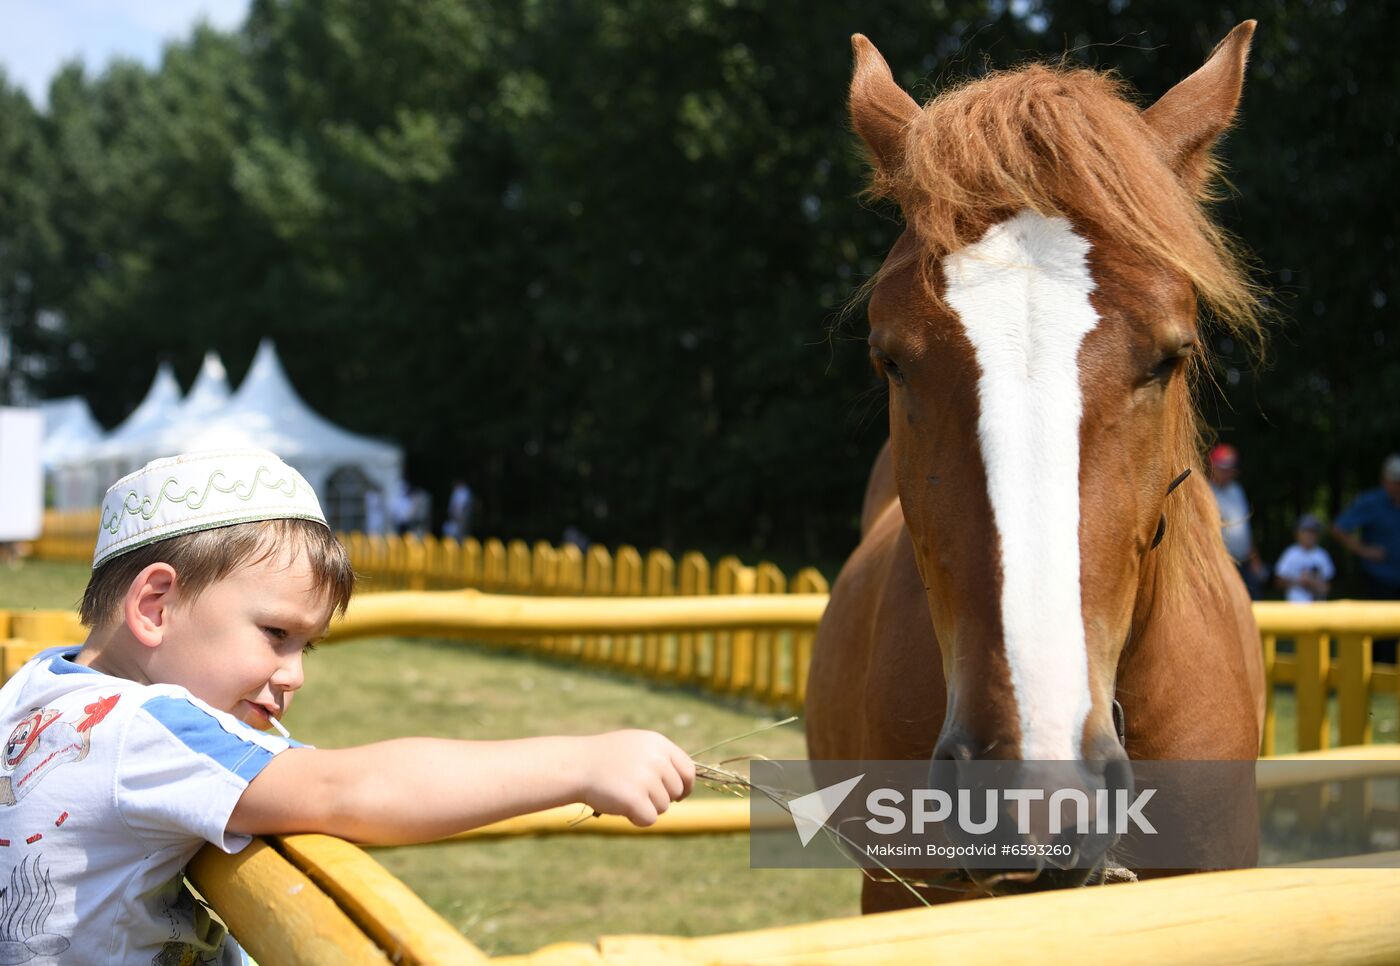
x=1035 y=323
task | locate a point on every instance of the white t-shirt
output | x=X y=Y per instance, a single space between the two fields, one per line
x=1297 y=561
x=107 y=788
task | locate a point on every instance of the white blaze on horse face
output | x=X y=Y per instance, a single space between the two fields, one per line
x=1022 y=295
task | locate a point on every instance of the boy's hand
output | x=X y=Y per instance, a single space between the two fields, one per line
x=637 y=774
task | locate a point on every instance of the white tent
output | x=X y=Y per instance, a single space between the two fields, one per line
x=70 y=431
x=138 y=440
x=80 y=477
x=160 y=405
x=343 y=467
x=206 y=400
x=70 y=435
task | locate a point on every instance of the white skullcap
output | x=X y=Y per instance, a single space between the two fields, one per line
x=200 y=491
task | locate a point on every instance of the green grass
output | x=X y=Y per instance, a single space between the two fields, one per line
x=1384 y=718
x=41 y=585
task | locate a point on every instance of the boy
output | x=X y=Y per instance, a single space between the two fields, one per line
x=213 y=573
x=1305 y=569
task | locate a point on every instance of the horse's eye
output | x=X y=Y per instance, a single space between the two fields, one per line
x=1163 y=370
x=886 y=366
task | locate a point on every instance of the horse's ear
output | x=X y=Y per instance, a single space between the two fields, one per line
x=1189 y=117
x=880 y=109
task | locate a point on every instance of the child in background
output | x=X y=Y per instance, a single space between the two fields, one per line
x=1305 y=570
x=213 y=573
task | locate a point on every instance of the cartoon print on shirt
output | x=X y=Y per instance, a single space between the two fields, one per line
x=42 y=742
x=25 y=905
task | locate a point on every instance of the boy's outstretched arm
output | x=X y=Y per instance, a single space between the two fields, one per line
x=420 y=789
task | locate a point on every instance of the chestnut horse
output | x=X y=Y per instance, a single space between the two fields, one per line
x=1026 y=560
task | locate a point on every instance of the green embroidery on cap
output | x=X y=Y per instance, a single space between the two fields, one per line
x=193 y=499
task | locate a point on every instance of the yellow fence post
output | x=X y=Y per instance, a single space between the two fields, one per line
x=432 y=562
x=571 y=585
x=470 y=573
x=47 y=627
x=1270 y=644
x=14 y=654
x=733 y=665
x=597 y=581
x=808 y=580
x=544 y=580
x=493 y=566
x=1311 y=688
x=449 y=573
x=518 y=567
x=355 y=547
x=627 y=582
x=769 y=664
x=1354 y=689
x=694 y=581
x=377 y=563
x=660 y=582
x=415 y=561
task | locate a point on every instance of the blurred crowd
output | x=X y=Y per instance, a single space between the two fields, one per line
x=1368 y=529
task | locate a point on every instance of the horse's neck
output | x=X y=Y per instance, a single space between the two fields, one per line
x=1191 y=674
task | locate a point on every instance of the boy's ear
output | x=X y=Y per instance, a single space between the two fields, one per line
x=147 y=605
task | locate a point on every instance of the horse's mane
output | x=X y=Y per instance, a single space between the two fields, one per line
x=1064 y=141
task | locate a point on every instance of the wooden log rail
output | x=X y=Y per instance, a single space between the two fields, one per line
x=759 y=645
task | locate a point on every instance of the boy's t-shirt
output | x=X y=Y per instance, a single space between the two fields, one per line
x=1297 y=561
x=107 y=789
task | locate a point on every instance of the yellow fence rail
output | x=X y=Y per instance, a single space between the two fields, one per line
x=759 y=647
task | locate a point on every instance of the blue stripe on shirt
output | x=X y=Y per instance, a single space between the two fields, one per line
x=205 y=734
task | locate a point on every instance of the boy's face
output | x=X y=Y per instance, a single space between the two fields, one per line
x=1307 y=539
x=238 y=645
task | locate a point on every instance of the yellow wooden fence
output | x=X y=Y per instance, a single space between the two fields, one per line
x=311 y=899
x=759 y=646
x=1322 y=652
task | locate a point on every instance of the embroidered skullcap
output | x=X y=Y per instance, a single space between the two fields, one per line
x=200 y=491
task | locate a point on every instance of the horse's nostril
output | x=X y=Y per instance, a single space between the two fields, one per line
x=1118 y=774
x=952 y=749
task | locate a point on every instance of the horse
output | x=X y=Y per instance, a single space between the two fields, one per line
x=1034 y=579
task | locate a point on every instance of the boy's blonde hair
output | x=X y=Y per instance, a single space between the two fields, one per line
x=204 y=557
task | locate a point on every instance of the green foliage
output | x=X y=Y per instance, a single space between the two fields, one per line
x=595 y=254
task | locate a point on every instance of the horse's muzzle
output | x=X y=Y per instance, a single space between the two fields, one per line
x=1057 y=823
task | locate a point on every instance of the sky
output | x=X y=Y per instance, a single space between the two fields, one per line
x=39 y=36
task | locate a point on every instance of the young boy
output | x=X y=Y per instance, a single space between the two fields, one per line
x=213 y=573
x=1305 y=570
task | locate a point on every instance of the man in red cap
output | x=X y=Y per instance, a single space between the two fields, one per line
x=1234 y=518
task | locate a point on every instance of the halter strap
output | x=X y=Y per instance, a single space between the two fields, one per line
x=1120 y=723
x=1162 y=523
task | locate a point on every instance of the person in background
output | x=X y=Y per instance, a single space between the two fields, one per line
x=1305 y=570
x=375 y=523
x=459 y=511
x=420 y=513
x=1234 y=518
x=576 y=537
x=402 y=507
x=1370 y=529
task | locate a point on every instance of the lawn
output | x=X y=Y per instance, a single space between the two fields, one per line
x=517 y=895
